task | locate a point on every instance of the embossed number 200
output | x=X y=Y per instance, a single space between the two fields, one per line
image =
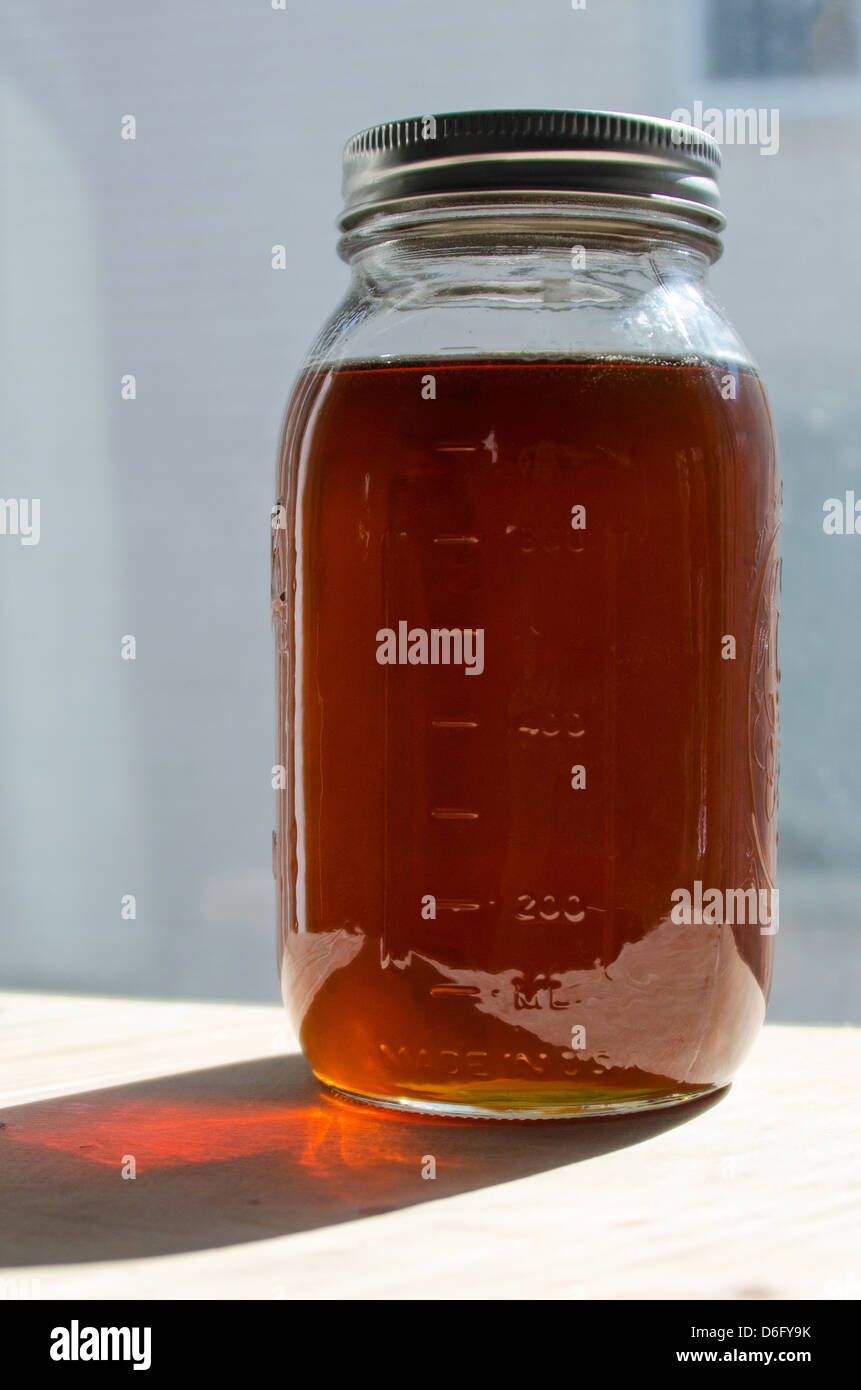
x=549 y=909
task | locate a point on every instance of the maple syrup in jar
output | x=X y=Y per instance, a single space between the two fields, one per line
x=525 y=590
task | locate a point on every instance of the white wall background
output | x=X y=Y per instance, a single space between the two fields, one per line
x=152 y=257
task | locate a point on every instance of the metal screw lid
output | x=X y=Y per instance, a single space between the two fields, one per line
x=579 y=152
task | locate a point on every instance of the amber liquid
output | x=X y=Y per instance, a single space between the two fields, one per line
x=476 y=870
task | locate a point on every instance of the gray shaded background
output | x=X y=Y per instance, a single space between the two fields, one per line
x=153 y=257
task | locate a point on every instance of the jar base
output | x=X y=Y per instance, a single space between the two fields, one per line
x=522 y=1109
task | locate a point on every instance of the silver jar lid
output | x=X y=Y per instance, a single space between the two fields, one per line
x=624 y=159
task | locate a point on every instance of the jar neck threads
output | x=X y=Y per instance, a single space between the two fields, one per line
x=455 y=219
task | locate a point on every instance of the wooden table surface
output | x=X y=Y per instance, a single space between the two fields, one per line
x=251 y=1183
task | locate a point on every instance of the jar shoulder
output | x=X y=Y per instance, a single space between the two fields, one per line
x=676 y=321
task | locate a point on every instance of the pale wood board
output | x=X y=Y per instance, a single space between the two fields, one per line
x=252 y=1184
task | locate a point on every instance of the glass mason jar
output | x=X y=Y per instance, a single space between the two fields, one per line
x=525 y=590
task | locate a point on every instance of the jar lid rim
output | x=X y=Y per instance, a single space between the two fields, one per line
x=518 y=150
